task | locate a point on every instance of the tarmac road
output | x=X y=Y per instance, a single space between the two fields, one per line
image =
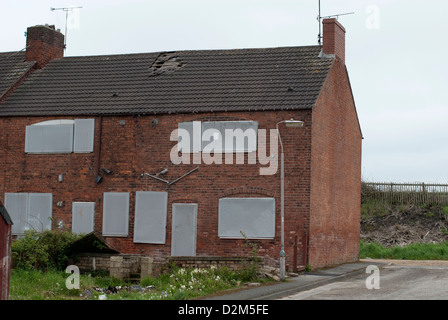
x=393 y=280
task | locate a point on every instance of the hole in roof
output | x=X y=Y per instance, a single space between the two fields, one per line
x=165 y=62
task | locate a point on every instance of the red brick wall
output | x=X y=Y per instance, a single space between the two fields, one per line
x=334 y=38
x=138 y=146
x=336 y=174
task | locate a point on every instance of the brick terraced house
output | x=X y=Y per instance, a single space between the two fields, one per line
x=89 y=143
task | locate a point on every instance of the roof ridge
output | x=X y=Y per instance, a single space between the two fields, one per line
x=225 y=79
x=194 y=51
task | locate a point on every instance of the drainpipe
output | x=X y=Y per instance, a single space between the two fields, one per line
x=98 y=155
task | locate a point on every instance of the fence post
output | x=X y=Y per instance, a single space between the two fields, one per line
x=391 y=196
x=424 y=194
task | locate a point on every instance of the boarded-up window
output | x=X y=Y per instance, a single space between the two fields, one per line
x=83 y=136
x=83 y=214
x=116 y=214
x=232 y=136
x=29 y=211
x=255 y=217
x=49 y=138
x=225 y=136
x=150 y=217
x=17 y=206
x=60 y=136
x=40 y=209
x=189 y=137
x=183 y=235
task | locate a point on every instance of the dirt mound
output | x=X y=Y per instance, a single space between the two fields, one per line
x=406 y=224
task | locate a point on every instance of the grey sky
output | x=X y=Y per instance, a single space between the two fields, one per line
x=395 y=57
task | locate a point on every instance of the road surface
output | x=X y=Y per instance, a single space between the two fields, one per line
x=394 y=280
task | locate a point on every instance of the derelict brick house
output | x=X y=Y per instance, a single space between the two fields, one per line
x=87 y=143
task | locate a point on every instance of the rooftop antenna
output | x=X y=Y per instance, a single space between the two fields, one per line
x=66 y=10
x=319 y=18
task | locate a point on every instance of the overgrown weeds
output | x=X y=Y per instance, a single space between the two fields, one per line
x=41 y=258
x=178 y=284
x=252 y=266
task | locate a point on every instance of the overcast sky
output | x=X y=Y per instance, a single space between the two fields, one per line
x=396 y=57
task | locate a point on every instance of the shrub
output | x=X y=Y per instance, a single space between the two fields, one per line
x=42 y=250
x=28 y=253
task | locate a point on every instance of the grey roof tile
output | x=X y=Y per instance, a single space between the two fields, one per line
x=173 y=82
x=12 y=67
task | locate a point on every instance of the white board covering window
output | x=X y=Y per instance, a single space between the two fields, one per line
x=83 y=135
x=83 y=214
x=255 y=217
x=49 y=138
x=189 y=137
x=60 y=136
x=29 y=211
x=228 y=136
x=150 y=217
x=116 y=214
x=232 y=136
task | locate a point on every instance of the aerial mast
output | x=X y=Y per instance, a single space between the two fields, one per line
x=319 y=19
x=66 y=10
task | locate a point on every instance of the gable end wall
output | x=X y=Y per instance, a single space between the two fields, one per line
x=336 y=174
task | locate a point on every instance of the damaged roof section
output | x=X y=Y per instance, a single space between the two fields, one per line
x=165 y=62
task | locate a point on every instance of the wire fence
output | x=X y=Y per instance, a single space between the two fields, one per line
x=403 y=193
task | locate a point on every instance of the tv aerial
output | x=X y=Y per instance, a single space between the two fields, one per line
x=319 y=19
x=66 y=10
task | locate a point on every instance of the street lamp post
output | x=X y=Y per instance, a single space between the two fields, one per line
x=296 y=124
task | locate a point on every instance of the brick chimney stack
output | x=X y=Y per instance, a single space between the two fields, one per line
x=43 y=44
x=334 y=38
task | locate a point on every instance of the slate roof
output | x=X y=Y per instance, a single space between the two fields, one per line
x=173 y=82
x=12 y=67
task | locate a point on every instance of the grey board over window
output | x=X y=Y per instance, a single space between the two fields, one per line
x=150 y=217
x=83 y=217
x=84 y=135
x=49 y=138
x=241 y=137
x=116 y=214
x=60 y=136
x=232 y=136
x=29 y=211
x=255 y=217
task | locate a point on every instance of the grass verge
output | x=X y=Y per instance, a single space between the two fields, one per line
x=416 y=251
